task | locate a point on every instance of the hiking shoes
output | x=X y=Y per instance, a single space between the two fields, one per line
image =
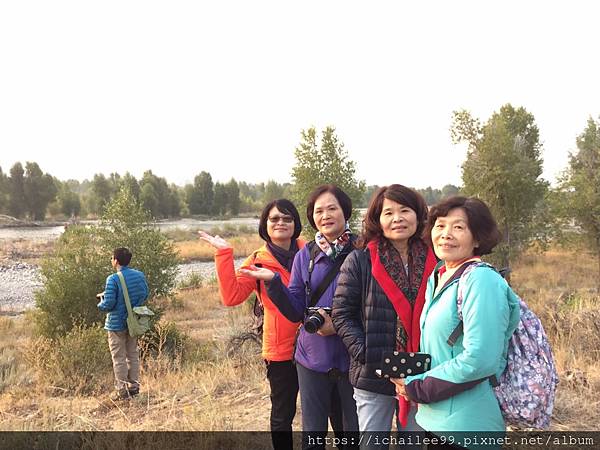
x=121 y=394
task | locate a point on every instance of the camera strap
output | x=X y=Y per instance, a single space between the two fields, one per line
x=315 y=295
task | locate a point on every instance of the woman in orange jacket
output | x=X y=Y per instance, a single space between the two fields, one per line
x=279 y=227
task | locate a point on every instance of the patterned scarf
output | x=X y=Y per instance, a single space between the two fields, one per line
x=332 y=249
x=408 y=282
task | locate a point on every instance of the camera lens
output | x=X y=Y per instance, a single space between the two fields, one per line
x=313 y=323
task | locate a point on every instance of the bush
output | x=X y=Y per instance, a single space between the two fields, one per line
x=192 y=280
x=229 y=230
x=78 y=268
x=181 y=235
x=78 y=362
x=165 y=342
x=72 y=277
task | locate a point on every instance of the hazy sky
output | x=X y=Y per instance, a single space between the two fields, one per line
x=226 y=86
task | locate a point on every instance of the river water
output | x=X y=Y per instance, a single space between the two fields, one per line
x=44 y=234
x=19 y=281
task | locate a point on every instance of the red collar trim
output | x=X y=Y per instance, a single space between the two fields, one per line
x=410 y=317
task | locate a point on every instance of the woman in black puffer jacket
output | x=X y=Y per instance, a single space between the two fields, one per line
x=379 y=299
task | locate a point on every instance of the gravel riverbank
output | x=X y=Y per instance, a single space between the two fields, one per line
x=19 y=281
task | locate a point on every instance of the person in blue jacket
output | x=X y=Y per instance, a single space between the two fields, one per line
x=123 y=347
x=322 y=360
x=456 y=394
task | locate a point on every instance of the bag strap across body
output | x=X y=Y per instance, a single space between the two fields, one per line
x=315 y=295
x=258 y=307
x=458 y=331
x=125 y=294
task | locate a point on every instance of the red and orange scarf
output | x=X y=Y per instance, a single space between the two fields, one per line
x=406 y=292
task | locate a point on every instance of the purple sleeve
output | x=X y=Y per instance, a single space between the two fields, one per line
x=432 y=390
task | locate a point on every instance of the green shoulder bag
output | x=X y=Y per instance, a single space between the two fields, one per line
x=138 y=318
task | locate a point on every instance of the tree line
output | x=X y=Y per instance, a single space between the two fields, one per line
x=29 y=193
x=503 y=167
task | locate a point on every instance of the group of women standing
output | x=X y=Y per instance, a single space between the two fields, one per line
x=333 y=306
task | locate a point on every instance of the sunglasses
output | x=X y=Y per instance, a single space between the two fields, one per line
x=285 y=219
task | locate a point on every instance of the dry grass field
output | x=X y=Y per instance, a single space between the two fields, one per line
x=197 y=250
x=189 y=247
x=217 y=383
x=25 y=250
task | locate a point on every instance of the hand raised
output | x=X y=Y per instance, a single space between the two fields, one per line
x=216 y=241
x=259 y=273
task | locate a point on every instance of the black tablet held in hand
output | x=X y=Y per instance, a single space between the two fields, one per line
x=403 y=364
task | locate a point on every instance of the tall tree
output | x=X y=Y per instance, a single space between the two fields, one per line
x=273 y=191
x=580 y=188
x=369 y=191
x=4 y=192
x=101 y=193
x=200 y=195
x=233 y=197
x=503 y=168
x=161 y=206
x=449 y=190
x=16 y=191
x=324 y=162
x=149 y=199
x=220 y=199
x=128 y=181
x=174 y=201
x=430 y=195
x=68 y=201
x=39 y=189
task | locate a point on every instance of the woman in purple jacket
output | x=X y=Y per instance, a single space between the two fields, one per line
x=321 y=357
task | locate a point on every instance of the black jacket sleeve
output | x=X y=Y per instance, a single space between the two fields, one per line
x=347 y=305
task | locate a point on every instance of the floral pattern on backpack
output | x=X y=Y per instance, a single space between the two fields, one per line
x=528 y=384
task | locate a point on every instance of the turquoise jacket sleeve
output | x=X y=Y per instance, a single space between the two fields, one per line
x=485 y=321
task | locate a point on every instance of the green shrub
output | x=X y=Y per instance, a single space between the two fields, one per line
x=192 y=280
x=78 y=268
x=78 y=362
x=180 y=234
x=165 y=340
x=9 y=368
x=72 y=277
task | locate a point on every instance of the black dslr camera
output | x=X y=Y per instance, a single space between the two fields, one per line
x=314 y=320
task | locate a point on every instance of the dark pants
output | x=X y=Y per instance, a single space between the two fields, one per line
x=283 y=379
x=316 y=391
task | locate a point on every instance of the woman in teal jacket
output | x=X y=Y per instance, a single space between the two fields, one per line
x=456 y=394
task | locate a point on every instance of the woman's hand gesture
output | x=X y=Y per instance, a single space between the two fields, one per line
x=400 y=387
x=216 y=241
x=259 y=273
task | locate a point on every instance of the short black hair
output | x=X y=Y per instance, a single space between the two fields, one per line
x=482 y=224
x=342 y=198
x=122 y=255
x=286 y=207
